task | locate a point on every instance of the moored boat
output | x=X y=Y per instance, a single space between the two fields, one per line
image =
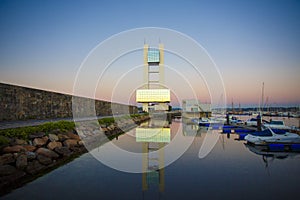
x=235 y=120
x=276 y=124
x=268 y=136
x=210 y=122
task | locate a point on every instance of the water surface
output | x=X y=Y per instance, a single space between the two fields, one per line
x=229 y=171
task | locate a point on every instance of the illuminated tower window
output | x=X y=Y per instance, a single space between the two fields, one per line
x=153 y=55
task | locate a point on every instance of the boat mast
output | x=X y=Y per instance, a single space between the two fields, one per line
x=262 y=96
x=267 y=106
x=232 y=108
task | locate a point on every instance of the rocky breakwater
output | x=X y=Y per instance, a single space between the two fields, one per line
x=94 y=136
x=21 y=160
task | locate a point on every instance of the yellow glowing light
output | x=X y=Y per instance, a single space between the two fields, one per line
x=153 y=95
x=153 y=135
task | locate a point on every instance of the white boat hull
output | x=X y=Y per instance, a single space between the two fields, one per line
x=274 y=138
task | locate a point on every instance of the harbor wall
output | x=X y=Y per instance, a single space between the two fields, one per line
x=21 y=103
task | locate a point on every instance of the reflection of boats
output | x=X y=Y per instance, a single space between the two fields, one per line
x=268 y=155
x=268 y=136
x=210 y=121
x=265 y=151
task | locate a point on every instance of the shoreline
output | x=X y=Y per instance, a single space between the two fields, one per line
x=23 y=161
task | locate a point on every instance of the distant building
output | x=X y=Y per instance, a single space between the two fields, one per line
x=193 y=108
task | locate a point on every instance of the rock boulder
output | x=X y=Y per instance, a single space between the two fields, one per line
x=6 y=170
x=53 y=137
x=14 y=149
x=53 y=145
x=7 y=158
x=62 y=137
x=38 y=142
x=73 y=136
x=21 y=161
x=29 y=147
x=64 y=151
x=70 y=143
x=34 y=167
x=47 y=152
x=44 y=160
x=19 y=141
x=30 y=155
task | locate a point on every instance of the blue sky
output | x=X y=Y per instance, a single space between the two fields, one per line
x=42 y=43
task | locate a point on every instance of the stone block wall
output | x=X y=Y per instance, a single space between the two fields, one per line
x=21 y=103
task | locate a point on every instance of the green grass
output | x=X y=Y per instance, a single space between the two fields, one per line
x=107 y=121
x=3 y=140
x=110 y=120
x=24 y=132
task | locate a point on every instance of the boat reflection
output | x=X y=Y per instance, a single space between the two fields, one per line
x=269 y=156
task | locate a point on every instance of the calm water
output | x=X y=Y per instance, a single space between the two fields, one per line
x=229 y=171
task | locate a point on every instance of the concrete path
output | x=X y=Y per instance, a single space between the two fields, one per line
x=36 y=122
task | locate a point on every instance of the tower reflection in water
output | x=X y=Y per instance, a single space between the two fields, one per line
x=190 y=128
x=153 y=135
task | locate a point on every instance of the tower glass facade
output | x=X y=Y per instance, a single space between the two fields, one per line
x=153 y=55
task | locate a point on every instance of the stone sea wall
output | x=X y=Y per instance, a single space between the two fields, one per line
x=21 y=103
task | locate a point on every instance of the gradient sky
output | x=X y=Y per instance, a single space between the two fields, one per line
x=43 y=43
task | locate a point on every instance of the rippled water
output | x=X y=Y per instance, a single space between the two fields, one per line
x=230 y=171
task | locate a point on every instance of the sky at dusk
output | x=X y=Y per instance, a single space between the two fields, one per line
x=43 y=44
